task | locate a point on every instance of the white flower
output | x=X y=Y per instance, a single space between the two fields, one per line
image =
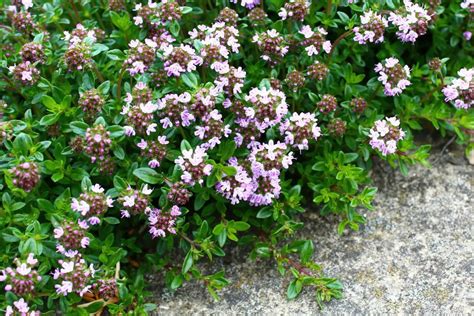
x=23 y=269
x=27 y=4
x=58 y=232
x=146 y=190
x=96 y=188
x=129 y=201
x=64 y=288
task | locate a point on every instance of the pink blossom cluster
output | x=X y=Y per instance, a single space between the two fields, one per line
x=219 y=32
x=157 y=13
x=257 y=178
x=272 y=45
x=92 y=204
x=97 y=144
x=411 y=21
x=25 y=72
x=139 y=111
x=25 y=176
x=299 y=129
x=315 y=41
x=79 y=35
x=180 y=59
x=20 y=307
x=163 y=222
x=73 y=276
x=295 y=9
x=249 y=4
x=134 y=202
x=155 y=150
x=268 y=107
x=78 y=54
x=203 y=101
x=192 y=163
x=393 y=76
x=212 y=130
x=385 y=134
x=461 y=90
x=371 y=29
x=22 y=279
x=71 y=236
x=140 y=56
x=467 y=4
x=174 y=110
x=230 y=79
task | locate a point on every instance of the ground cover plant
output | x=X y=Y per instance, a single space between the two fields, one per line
x=145 y=137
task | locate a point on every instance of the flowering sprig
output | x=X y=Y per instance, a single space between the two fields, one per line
x=411 y=21
x=92 y=204
x=22 y=279
x=163 y=222
x=299 y=129
x=393 y=76
x=461 y=90
x=73 y=276
x=272 y=45
x=372 y=28
x=134 y=202
x=314 y=42
x=20 y=307
x=385 y=134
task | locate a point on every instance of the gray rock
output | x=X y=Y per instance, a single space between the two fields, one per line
x=413 y=256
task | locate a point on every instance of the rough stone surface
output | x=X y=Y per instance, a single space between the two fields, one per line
x=414 y=255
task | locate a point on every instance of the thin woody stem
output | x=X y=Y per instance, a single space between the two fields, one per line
x=329 y=7
x=337 y=41
x=119 y=84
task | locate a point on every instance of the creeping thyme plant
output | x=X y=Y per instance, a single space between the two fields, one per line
x=142 y=137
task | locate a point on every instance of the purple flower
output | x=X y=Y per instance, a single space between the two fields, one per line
x=385 y=134
x=393 y=76
x=371 y=29
x=411 y=21
x=460 y=90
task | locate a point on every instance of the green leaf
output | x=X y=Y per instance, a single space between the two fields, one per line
x=174 y=28
x=186 y=10
x=22 y=143
x=185 y=146
x=49 y=103
x=112 y=220
x=94 y=306
x=190 y=80
x=115 y=54
x=344 y=17
x=119 y=153
x=115 y=131
x=265 y=212
x=293 y=290
x=123 y=22
x=78 y=127
x=119 y=183
x=98 y=48
x=57 y=176
x=350 y=157
x=306 y=251
x=104 y=87
x=49 y=119
x=241 y=226
x=177 y=282
x=229 y=170
x=148 y=175
x=188 y=262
